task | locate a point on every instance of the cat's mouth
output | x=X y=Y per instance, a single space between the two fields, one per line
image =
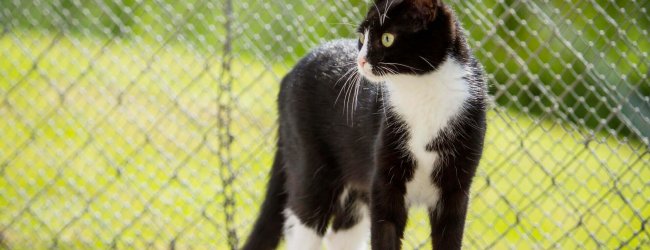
x=368 y=71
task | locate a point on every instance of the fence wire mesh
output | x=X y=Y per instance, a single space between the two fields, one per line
x=151 y=123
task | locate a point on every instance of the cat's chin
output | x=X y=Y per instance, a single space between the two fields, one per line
x=371 y=77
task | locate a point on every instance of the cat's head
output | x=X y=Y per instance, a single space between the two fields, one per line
x=400 y=37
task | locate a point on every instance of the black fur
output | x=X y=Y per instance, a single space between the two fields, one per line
x=324 y=149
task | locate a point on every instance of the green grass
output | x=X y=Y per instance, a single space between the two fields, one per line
x=120 y=146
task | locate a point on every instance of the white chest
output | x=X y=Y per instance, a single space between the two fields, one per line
x=426 y=104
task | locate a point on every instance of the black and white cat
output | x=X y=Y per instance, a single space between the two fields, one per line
x=371 y=127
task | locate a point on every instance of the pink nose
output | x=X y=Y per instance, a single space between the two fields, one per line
x=362 y=61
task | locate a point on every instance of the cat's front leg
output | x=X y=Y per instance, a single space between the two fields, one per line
x=393 y=168
x=389 y=215
x=448 y=220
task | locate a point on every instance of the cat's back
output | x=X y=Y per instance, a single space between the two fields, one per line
x=323 y=79
x=326 y=62
x=310 y=84
x=332 y=52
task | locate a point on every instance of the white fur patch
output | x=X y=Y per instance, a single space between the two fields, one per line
x=297 y=235
x=354 y=238
x=344 y=195
x=364 y=47
x=427 y=103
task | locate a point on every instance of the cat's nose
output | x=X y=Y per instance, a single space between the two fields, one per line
x=362 y=62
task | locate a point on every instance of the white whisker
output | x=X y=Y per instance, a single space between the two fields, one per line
x=378 y=68
x=389 y=70
x=347 y=72
x=403 y=65
x=345 y=84
x=384 y=71
x=386 y=11
x=379 y=13
x=427 y=61
x=348 y=93
x=351 y=102
x=356 y=97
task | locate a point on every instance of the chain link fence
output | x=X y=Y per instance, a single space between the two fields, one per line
x=151 y=123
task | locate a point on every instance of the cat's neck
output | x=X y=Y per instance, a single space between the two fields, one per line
x=426 y=103
x=446 y=86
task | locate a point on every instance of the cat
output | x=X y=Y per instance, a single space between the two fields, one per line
x=371 y=127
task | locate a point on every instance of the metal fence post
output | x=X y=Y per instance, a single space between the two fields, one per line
x=225 y=136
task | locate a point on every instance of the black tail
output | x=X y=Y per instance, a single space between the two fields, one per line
x=268 y=227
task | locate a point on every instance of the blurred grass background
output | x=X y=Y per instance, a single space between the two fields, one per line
x=113 y=116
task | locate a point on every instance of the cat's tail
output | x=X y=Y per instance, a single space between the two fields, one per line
x=268 y=227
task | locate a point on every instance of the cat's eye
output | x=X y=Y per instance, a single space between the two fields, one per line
x=387 y=39
x=362 y=37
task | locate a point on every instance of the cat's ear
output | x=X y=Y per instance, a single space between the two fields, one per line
x=427 y=8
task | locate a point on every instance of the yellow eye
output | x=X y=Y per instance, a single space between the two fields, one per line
x=362 y=37
x=387 y=39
